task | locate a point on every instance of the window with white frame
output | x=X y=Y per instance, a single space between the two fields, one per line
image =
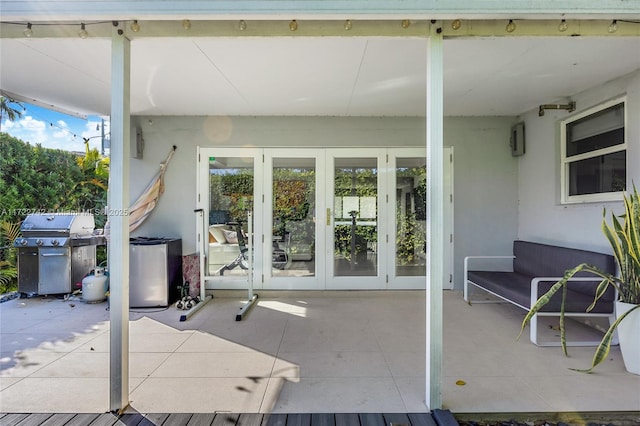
x=594 y=154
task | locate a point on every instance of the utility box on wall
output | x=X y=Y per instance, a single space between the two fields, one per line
x=517 y=139
x=137 y=143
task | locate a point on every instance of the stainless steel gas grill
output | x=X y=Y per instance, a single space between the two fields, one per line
x=55 y=252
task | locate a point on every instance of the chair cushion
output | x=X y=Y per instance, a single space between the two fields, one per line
x=230 y=236
x=542 y=260
x=216 y=231
x=516 y=287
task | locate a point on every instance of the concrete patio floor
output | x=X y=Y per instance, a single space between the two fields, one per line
x=296 y=352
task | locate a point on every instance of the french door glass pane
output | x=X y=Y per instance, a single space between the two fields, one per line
x=230 y=199
x=355 y=217
x=411 y=193
x=294 y=240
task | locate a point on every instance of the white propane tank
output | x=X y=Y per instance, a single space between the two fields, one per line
x=94 y=287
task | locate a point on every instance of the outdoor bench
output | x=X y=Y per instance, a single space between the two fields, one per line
x=534 y=269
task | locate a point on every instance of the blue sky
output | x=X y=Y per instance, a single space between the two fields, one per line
x=52 y=129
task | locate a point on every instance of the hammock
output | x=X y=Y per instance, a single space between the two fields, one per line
x=146 y=202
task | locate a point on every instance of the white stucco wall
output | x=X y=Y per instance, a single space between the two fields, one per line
x=541 y=216
x=174 y=214
x=497 y=197
x=485 y=173
x=485 y=187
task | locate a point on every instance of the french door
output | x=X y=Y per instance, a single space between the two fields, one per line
x=322 y=218
x=294 y=200
x=230 y=186
x=355 y=218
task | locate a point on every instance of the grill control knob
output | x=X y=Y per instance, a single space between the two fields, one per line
x=23 y=241
x=55 y=243
x=39 y=242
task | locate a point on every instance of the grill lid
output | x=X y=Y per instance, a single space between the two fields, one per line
x=58 y=224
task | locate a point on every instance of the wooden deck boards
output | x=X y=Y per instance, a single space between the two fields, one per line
x=219 y=419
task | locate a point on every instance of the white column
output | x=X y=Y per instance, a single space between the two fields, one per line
x=119 y=222
x=435 y=217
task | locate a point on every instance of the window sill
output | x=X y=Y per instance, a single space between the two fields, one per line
x=609 y=197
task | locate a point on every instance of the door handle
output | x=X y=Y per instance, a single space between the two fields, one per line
x=328 y=217
x=53 y=254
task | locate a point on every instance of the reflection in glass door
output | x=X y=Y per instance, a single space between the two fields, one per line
x=356 y=216
x=292 y=253
x=411 y=216
x=231 y=194
x=323 y=219
x=293 y=217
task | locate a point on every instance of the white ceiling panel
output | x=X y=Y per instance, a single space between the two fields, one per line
x=392 y=78
x=303 y=76
x=73 y=74
x=508 y=76
x=173 y=77
x=350 y=76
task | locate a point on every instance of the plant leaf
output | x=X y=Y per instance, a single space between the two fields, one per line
x=545 y=298
x=563 y=334
x=602 y=351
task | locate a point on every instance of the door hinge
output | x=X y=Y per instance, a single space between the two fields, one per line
x=387 y=238
x=198 y=158
x=198 y=197
x=451 y=198
x=451 y=158
x=387 y=278
x=387 y=199
x=450 y=238
x=263 y=278
x=450 y=278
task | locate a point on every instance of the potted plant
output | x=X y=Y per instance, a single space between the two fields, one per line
x=624 y=238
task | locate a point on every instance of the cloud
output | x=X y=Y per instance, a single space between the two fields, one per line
x=55 y=130
x=56 y=135
x=28 y=129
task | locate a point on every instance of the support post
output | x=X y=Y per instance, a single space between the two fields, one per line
x=251 y=297
x=119 y=222
x=435 y=216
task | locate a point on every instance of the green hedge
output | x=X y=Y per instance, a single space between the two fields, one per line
x=37 y=179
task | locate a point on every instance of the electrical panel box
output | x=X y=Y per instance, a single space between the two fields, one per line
x=517 y=139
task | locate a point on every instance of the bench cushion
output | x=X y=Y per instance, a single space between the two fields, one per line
x=516 y=287
x=542 y=260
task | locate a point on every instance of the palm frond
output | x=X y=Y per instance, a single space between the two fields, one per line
x=8 y=272
x=9 y=230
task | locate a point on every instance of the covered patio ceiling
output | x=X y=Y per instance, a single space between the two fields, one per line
x=311 y=75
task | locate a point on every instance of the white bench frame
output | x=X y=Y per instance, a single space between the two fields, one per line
x=535 y=282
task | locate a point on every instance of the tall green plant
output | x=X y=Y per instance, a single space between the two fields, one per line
x=9 y=231
x=410 y=238
x=624 y=238
x=37 y=179
x=89 y=193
